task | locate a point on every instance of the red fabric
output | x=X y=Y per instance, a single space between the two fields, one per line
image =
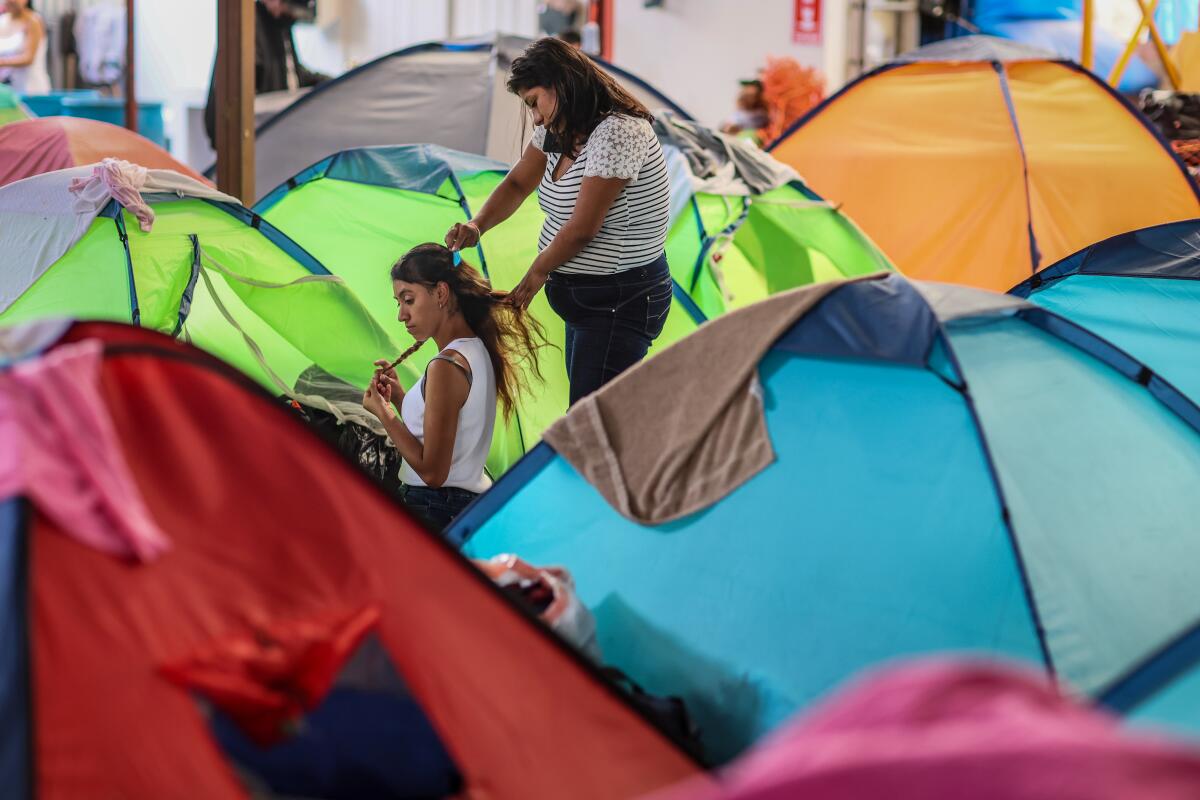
x=267 y=678
x=948 y=729
x=267 y=523
x=34 y=146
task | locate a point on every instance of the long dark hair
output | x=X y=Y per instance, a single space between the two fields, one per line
x=510 y=335
x=586 y=93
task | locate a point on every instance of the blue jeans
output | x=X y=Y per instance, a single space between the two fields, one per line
x=611 y=320
x=436 y=507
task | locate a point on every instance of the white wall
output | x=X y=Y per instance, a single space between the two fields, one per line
x=694 y=51
x=174 y=46
x=362 y=30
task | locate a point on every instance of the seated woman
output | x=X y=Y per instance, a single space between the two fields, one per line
x=443 y=430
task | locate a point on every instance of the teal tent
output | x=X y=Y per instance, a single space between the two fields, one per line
x=954 y=470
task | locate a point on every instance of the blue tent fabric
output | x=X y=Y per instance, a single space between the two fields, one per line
x=1005 y=482
x=1140 y=291
x=15 y=751
x=1165 y=688
x=860 y=321
x=977 y=48
x=1167 y=251
x=1174 y=17
x=1063 y=38
x=986 y=13
x=1056 y=26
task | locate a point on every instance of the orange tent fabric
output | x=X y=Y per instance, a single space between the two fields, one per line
x=268 y=524
x=45 y=144
x=981 y=170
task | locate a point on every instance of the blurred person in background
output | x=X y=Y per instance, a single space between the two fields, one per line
x=572 y=38
x=751 y=111
x=23 y=48
x=276 y=66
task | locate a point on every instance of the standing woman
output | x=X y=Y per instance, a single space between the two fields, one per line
x=602 y=183
x=23 y=48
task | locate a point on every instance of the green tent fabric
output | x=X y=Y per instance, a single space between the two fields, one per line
x=210 y=272
x=360 y=210
x=11 y=109
x=729 y=251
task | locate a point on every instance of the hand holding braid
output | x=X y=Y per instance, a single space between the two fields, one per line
x=385 y=387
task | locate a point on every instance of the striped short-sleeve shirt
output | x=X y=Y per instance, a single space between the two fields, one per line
x=635 y=228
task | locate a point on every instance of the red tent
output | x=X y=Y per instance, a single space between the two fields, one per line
x=45 y=144
x=274 y=539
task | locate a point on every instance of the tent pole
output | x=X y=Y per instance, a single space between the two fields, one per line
x=1085 y=51
x=1114 y=77
x=1159 y=45
x=131 y=104
x=235 y=98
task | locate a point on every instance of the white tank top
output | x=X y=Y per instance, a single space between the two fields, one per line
x=476 y=420
x=33 y=79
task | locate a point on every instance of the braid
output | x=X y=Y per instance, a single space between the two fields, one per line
x=412 y=349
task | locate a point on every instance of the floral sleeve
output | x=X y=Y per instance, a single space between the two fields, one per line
x=539 y=138
x=618 y=147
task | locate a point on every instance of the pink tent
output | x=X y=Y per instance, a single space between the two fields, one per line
x=947 y=729
x=33 y=146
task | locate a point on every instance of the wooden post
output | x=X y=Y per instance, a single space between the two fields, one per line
x=1086 y=52
x=131 y=103
x=607 y=25
x=235 y=98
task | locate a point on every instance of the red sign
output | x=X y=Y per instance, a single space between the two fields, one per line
x=806 y=22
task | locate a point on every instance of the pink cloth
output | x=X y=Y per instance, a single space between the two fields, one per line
x=121 y=181
x=60 y=450
x=957 y=730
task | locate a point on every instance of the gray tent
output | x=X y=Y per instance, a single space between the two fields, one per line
x=446 y=93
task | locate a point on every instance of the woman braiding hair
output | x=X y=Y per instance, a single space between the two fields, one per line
x=601 y=179
x=443 y=430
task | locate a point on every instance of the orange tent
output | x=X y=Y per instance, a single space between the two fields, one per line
x=977 y=161
x=45 y=144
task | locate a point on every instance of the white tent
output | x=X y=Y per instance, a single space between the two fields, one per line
x=446 y=93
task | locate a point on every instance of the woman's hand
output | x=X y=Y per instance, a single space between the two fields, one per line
x=383 y=391
x=384 y=367
x=462 y=235
x=527 y=289
x=376 y=401
x=388 y=382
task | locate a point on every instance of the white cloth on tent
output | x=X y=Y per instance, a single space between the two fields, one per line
x=118 y=180
x=100 y=42
x=721 y=164
x=40 y=220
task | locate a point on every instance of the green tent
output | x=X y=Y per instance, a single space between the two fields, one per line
x=360 y=210
x=728 y=251
x=11 y=109
x=209 y=271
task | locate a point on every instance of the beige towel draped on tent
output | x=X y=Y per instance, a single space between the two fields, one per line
x=656 y=457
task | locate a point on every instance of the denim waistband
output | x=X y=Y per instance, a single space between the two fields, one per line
x=655 y=269
x=443 y=491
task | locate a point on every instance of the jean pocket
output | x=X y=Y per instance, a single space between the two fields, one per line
x=596 y=299
x=658 y=305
